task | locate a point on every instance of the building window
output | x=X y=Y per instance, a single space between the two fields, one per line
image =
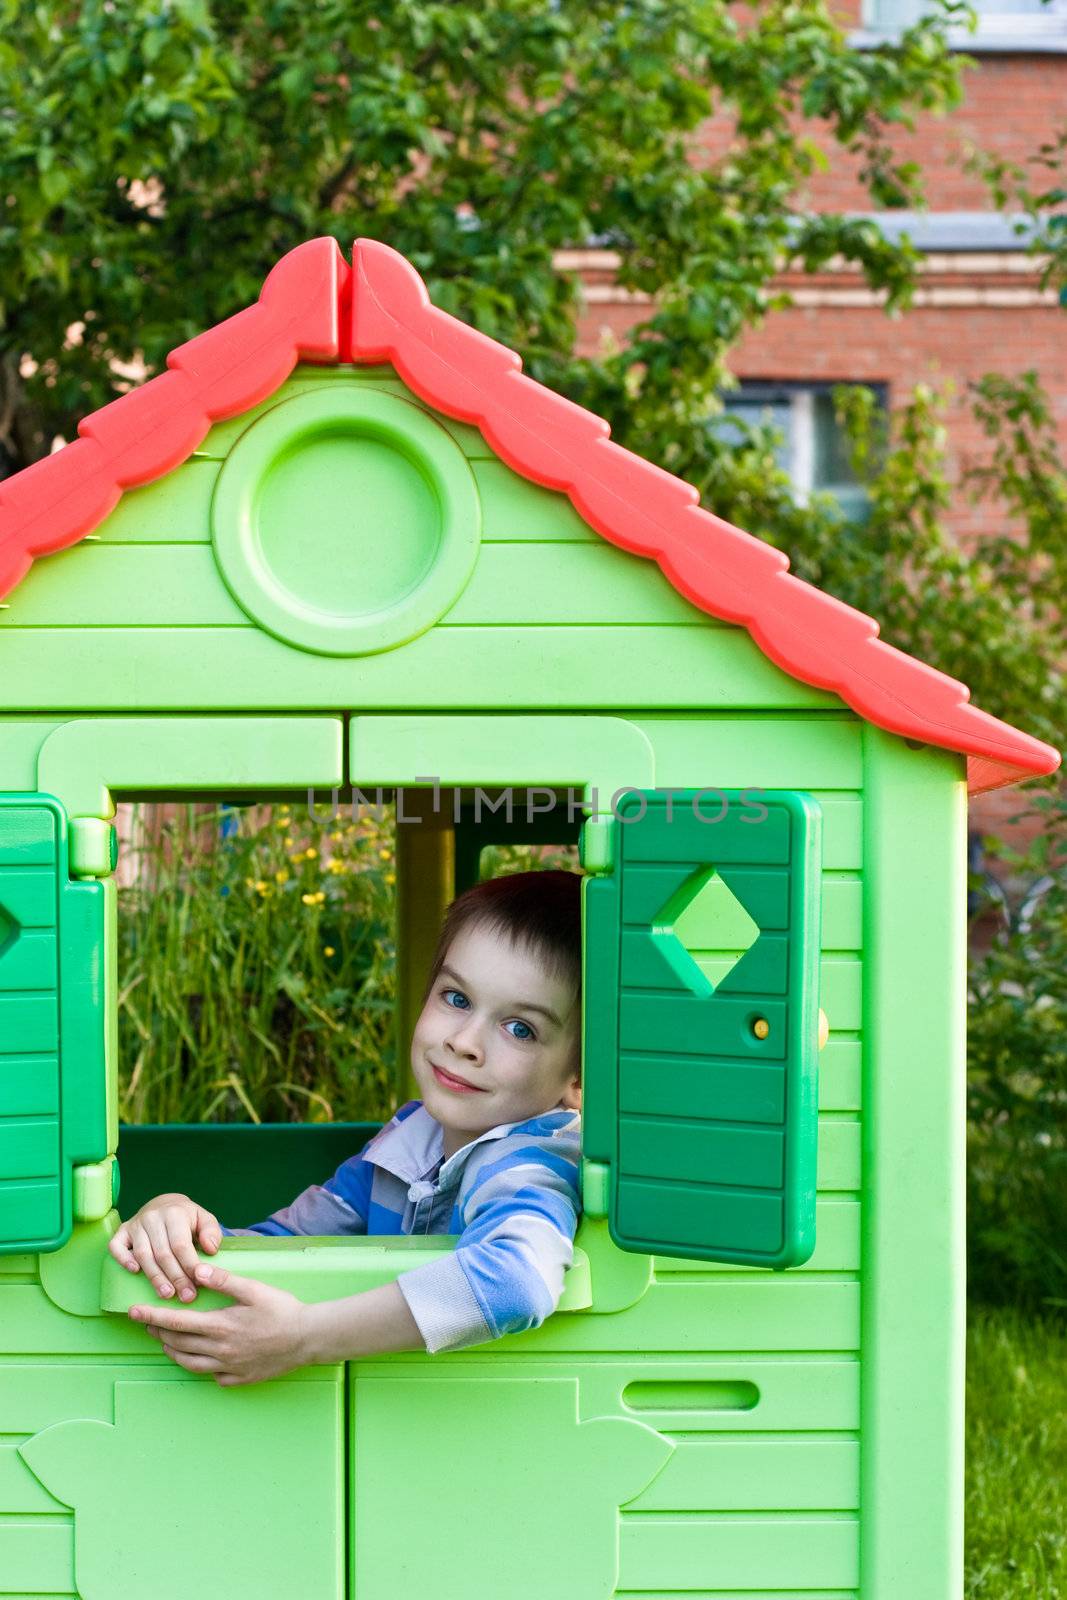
x=812 y=448
x=1014 y=19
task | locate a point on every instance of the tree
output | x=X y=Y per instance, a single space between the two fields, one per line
x=158 y=156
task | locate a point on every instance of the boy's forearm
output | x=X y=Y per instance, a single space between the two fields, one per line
x=375 y=1322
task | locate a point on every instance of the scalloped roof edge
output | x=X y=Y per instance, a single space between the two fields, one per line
x=316 y=308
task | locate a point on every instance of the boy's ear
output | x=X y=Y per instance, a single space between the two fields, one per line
x=571 y=1097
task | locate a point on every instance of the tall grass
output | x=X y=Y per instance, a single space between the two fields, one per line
x=257 y=974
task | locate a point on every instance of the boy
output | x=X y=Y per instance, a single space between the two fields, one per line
x=490 y=1152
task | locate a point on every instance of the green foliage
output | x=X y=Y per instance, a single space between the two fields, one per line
x=1017 y=1086
x=991 y=615
x=1016 y=1458
x=156 y=160
x=257 y=973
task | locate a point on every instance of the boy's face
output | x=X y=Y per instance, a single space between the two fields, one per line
x=498 y=1039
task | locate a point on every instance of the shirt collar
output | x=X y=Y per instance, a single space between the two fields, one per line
x=411 y=1149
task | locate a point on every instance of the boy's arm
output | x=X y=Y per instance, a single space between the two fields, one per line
x=506 y=1273
x=376 y=1322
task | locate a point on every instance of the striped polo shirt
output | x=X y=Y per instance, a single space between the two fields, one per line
x=511 y=1196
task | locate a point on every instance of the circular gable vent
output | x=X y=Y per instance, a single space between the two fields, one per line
x=346 y=521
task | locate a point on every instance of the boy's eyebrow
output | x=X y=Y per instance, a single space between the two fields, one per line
x=520 y=1005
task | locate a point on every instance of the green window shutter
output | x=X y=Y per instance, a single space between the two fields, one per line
x=701 y=1024
x=52 y=1024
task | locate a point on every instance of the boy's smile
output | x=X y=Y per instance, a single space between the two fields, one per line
x=497 y=1040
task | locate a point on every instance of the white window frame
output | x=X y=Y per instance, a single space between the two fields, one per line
x=801 y=401
x=1013 y=29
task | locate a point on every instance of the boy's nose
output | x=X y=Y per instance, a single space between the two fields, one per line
x=466 y=1041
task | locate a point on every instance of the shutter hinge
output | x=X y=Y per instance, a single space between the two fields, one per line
x=93 y=847
x=596 y=1176
x=95 y=1189
x=595 y=843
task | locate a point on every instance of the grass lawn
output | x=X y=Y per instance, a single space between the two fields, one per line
x=1016 y=1457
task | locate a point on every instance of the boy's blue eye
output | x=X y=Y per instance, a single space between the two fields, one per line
x=445 y=994
x=529 y=1034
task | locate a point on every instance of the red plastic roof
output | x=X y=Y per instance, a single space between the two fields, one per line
x=314 y=307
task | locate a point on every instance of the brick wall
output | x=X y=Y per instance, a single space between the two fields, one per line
x=975 y=310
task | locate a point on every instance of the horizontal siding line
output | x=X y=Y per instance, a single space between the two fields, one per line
x=637 y=713
x=705 y=621
x=668 y=1355
x=749 y=1275
x=524 y=542
x=86 y=1357
x=827 y=1436
x=634 y=1362
x=704 y=1518
x=708 y=623
x=13 y=1518
x=124 y=627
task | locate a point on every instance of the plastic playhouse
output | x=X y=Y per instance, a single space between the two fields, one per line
x=344 y=543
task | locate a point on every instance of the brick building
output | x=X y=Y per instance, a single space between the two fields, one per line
x=979 y=305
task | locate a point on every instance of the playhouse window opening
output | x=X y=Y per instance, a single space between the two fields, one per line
x=261 y=978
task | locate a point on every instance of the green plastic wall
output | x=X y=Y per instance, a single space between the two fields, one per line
x=700 y=1429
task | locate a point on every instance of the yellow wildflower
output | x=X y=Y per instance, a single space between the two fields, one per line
x=282 y=875
x=328 y=950
x=385 y=855
x=336 y=866
x=390 y=877
x=337 y=837
x=315 y=899
x=311 y=852
x=281 y=822
x=289 y=841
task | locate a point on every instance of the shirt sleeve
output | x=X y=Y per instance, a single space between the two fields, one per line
x=506 y=1272
x=338 y=1206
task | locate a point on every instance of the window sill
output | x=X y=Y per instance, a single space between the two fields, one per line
x=314 y=1270
x=960 y=41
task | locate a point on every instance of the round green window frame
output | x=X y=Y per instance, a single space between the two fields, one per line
x=388 y=419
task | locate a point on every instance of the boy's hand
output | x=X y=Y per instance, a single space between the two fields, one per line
x=158 y=1239
x=262 y=1335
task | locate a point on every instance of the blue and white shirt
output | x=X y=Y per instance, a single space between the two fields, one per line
x=511 y=1195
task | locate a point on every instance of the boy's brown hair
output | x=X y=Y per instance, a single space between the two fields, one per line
x=538 y=911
